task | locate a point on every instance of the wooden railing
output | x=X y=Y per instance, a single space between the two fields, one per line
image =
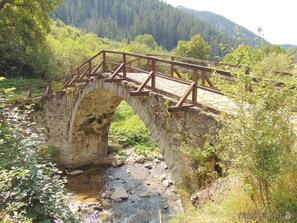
x=197 y=74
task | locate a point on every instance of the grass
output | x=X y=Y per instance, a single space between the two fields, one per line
x=232 y=203
x=127 y=130
x=21 y=87
x=225 y=206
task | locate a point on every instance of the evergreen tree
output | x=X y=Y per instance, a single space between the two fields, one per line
x=124 y=19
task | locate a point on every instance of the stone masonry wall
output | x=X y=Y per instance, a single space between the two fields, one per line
x=78 y=122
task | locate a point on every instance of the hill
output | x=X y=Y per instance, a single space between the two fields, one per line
x=125 y=19
x=225 y=26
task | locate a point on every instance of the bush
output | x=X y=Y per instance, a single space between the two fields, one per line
x=30 y=188
x=259 y=139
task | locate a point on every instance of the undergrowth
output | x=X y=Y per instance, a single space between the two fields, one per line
x=231 y=204
x=21 y=87
x=127 y=130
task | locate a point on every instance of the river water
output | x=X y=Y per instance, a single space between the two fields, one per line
x=137 y=191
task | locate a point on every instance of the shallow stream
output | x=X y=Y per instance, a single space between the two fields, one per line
x=139 y=190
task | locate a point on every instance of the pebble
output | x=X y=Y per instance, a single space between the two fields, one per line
x=157 y=161
x=139 y=159
x=167 y=183
x=117 y=163
x=148 y=165
x=145 y=194
x=106 y=204
x=163 y=177
x=119 y=194
x=76 y=172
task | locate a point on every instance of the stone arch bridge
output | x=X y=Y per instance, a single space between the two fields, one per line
x=173 y=96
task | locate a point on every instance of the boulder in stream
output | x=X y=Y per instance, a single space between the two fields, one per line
x=119 y=194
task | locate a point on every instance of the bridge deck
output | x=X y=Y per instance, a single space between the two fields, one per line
x=205 y=98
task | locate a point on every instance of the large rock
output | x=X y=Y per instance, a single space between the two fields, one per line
x=106 y=204
x=119 y=194
x=140 y=159
x=167 y=182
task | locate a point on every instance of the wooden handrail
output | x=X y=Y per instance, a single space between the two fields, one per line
x=156 y=66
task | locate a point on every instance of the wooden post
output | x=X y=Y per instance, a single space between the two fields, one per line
x=195 y=89
x=49 y=89
x=124 y=67
x=30 y=91
x=203 y=73
x=104 y=62
x=172 y=67
x=149 y=65
x=248 y=87
x=154 y=69
x=90 y=67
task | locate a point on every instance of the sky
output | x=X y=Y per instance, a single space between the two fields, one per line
x=278 y=19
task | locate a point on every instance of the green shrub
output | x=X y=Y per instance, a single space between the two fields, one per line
x=259 y=139
x=30 y=188
x=128 y=130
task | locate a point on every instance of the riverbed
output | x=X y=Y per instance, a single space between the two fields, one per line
x=131 y=189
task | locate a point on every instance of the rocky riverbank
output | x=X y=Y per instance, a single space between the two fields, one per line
x=131 y=188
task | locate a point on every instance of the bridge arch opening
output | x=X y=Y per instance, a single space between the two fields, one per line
x=93 y=132
x=92 y=115
x=127 y=130
x=89 y=127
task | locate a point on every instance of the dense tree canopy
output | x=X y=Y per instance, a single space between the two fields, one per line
x=126 y=19
x=26 y=21
x=23 y=27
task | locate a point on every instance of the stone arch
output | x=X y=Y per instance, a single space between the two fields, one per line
x=78 y=121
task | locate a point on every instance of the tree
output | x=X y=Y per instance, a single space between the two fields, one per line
x=196 y=47
x=23 y=27
x=266 y=58
x=146 y=39
x=26 y=21
x=244 y=55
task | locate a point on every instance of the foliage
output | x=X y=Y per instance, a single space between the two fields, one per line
x=243 y=55
x=30 y=188
x=21 y=86
x=70 y=47
x=262 y=57
x=24 y=21
x=126 y=19
x=128 y=130
x=196 y=47
x=23 y=27
x=227 y=202
x=146 y=39
x=259 y=139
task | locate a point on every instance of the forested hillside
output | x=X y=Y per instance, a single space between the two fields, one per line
x=226 y=26
x=119 y=19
